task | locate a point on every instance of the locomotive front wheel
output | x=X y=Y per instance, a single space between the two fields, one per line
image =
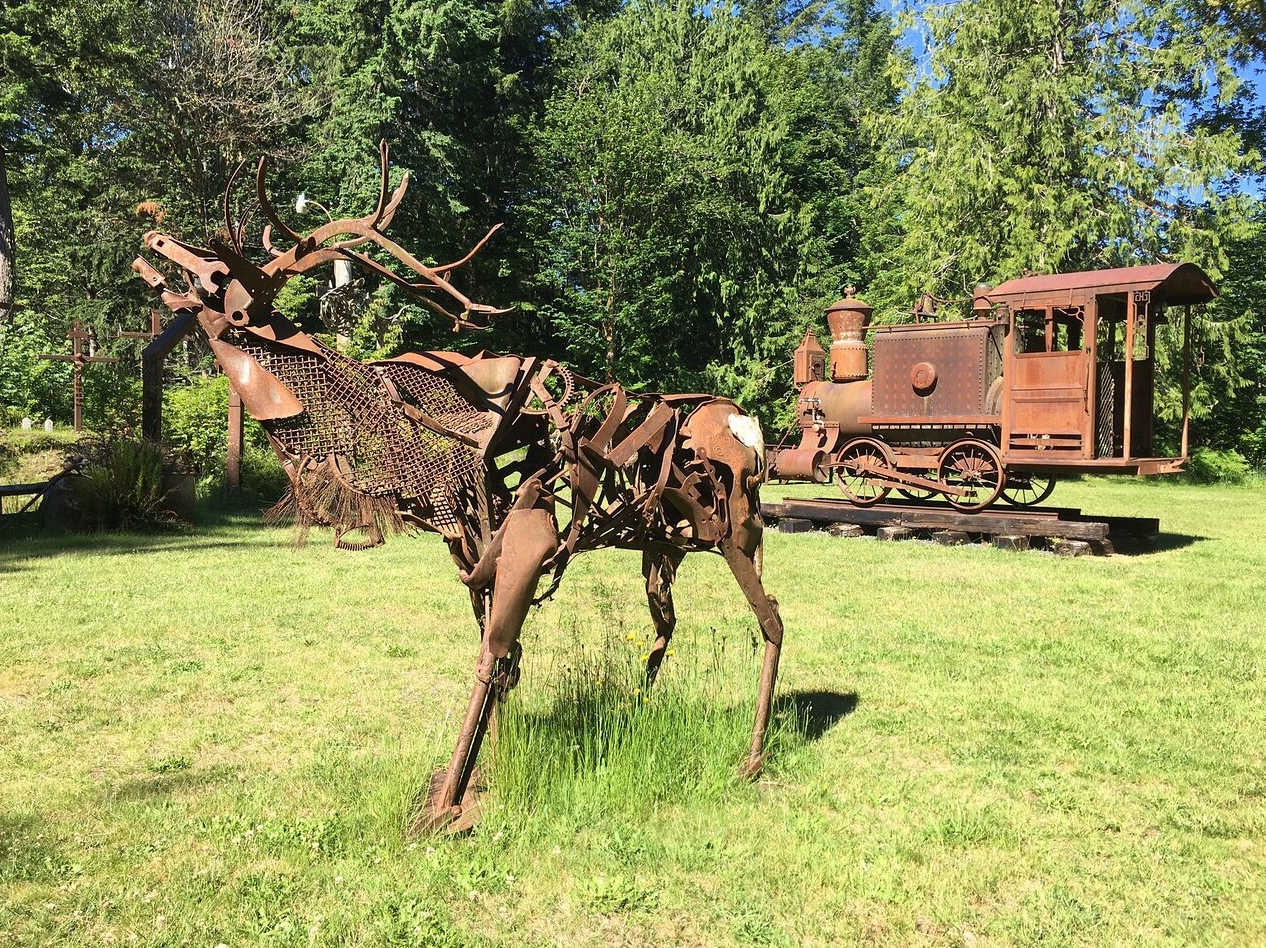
x=975 y=467
x=858 y=461
x=1027 y=490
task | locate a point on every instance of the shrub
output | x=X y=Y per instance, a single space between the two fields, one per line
x=1209 y=466
x=262 y=473
x=195 y=420
x=112 y=398
x=1253 y=447
x=195 y=424
x=120 y=486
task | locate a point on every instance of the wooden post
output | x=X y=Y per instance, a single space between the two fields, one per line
x=1186 y=375
x=233 y=463
x=1131 y=309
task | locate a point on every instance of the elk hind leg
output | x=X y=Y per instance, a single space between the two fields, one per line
x=660 y=569
x=765 y=607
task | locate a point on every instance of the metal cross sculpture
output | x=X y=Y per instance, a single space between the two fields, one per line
x=155 y=328
x=78 y=360
x=518 y=463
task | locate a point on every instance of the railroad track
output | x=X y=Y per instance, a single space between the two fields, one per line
x=1066 y=530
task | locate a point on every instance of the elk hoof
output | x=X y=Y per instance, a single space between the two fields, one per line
x=456 y=819
x=751 y=768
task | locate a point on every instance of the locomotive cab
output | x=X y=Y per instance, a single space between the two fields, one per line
x=1081 y=367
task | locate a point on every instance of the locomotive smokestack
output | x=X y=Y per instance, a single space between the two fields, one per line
x=848 y=319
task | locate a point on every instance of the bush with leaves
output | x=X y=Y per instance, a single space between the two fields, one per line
x=195 y=420
x=1253 y=447
x=195 y=423
x=1208 y=466
x=120 y=486
x=262 y=473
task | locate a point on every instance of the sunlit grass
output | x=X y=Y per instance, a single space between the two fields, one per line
x=590 y=737
x=208 y=737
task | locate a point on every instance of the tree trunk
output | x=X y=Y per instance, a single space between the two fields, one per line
x=8 y=246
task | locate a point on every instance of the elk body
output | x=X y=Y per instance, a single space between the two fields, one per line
x=518 y=463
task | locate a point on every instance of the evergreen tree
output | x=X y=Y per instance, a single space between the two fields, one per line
x=692 y=188
x=1062 y=136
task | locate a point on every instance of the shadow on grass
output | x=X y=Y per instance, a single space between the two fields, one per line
x=1176 y=541
x=152 y=786
x=1162 y=543
x=30 y=541
x=816 y=711
x=28 y=851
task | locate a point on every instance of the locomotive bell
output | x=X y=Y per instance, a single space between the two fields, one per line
x=848 y=319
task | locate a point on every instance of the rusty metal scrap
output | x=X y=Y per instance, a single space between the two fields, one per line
x=517 y=462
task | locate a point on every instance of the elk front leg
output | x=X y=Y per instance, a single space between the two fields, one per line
x=765 y=606
x=530 y=538
x=449 y=805
x=660 y=569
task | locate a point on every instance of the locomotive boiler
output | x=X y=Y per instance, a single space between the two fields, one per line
x=1047 y=376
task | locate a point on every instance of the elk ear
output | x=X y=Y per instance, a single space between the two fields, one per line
x=263 y=394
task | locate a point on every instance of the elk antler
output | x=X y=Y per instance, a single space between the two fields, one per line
x=322 y=246
x=265 y=205
x=233 y=231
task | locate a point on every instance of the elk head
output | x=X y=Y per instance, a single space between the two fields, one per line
x=227 y=289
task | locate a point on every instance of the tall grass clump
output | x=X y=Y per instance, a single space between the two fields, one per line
x=592 y=738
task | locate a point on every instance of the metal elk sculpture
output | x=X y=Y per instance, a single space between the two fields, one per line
x=518 y=463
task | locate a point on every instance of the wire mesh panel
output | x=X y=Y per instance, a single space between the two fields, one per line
x=348 y=414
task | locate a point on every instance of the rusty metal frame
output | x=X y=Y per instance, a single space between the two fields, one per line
x=519 y=463
x=79 y=361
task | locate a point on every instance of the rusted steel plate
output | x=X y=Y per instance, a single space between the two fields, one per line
x=933 y=371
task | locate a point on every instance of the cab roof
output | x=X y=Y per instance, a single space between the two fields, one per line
x=1174 y=283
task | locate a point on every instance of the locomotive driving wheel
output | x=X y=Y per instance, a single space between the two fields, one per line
x=975 y=468
x=859 y=461
x=1027 y=490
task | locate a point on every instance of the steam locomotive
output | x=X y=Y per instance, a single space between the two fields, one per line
x=1049 y=375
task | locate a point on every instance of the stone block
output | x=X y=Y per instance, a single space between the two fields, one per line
x=846 y=530
x=1071 y=548
x=893 y=533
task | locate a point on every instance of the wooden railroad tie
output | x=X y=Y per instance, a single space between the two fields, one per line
x=1063 y=530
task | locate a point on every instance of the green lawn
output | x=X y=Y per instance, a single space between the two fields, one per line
x=211 y=738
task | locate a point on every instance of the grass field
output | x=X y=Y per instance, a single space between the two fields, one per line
x=210 y=738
